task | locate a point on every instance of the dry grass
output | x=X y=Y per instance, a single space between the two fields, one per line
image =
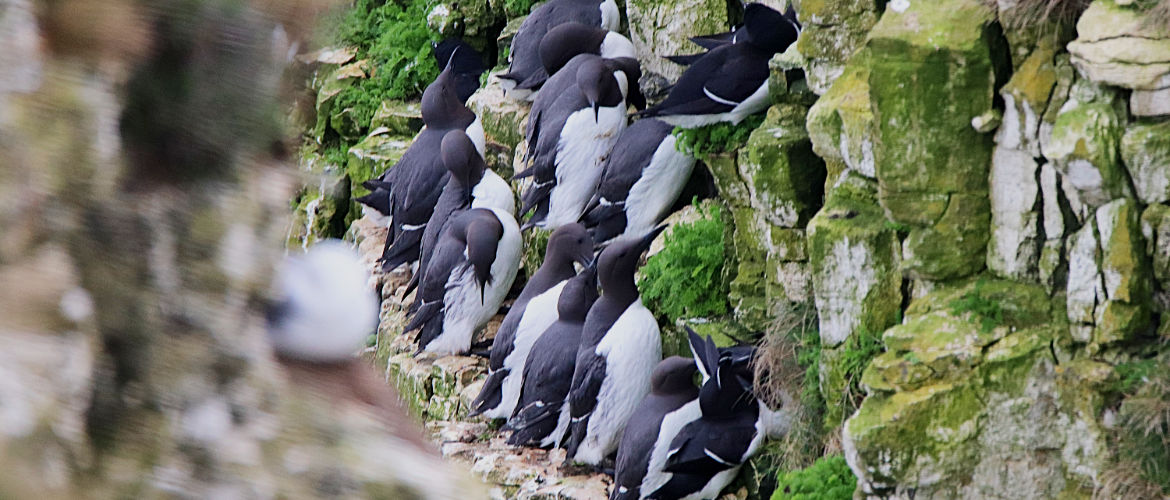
x=1142 y=447
x=1125 y=480
x=777 y=371
x=1033 y=13
x=1158 y=15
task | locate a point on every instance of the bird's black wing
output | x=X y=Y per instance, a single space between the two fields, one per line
x=588 y=376
x=716 y=82
x=707 y=446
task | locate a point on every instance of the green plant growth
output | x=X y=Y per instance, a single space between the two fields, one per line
x=686 y=279
x=518 y=7
x=983 y=308
x=827 y=479
x=716 y=138
x=849 y=361
x=394 y=38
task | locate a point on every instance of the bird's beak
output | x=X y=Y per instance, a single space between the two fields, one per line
x=596 y=107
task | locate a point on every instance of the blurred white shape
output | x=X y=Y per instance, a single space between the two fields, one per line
x=325 y=309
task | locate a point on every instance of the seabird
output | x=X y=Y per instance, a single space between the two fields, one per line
x=470 y=184
x=522 y=325
x=466 y=64
x=466 y=279
x=524 y=59
x=564 y=42
x=569 y=139
x=671 y=404
x=417 y=180
x=730 y=82
x=706 y=454
x=542 y=415
x=620 y=345
x=324 y=310
x=642 y=177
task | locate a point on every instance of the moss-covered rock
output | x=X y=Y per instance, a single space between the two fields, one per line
x=474 y=21
x=398 y=118
x=954 y=399
x=331 y=86
x=841 y=124
x=503 y=122
x=833 y=31
x=660 y=28
x=321 y=208
x=1019 y=220
x=1110 y=280
x=855 y=261
x=783 y=176
x=1156 y=231
x=1085 y=144
x=933 y=67
x=1145 y=149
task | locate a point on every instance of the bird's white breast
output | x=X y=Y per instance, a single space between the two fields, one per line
x=658 y=187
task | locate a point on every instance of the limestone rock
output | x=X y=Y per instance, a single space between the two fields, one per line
x=1145 y=148
x=474 y=21
x=783 y=176
x=660 y=28
x=399 y=118
x=833 y=31
x=855 y=260
x=841 y=124
x=1150 y=102
x=1016 y=237
x=1156 y=231
x=1085 y=143
x=503 y=122
x=1116 y=46
x=330 y=87
x=954 y=399
x=933 y=67
x=1110 y=280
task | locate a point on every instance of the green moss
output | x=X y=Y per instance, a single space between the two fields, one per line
x=983 y=309
x=395 y=41
x=716 y=138
x=535 y=242
x=686 y=279
x=841 y=374
x=829 y=478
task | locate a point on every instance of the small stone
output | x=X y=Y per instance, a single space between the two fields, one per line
x=1150 y=102
x=1145 y=148
x=987 y=122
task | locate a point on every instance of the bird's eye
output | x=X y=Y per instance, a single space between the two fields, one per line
x=580 y=240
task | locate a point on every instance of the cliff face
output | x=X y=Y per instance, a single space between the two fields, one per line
x=950 y=234
x=970 y=195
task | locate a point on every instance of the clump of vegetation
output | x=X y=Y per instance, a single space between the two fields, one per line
x=787 y=376
x=1141 y=440
x=518 y=7
x=983 y=308
x=394 y=38
x=827 y=479
x=1032 y=13
x=853 y=356
x=686 y=279
x=716 y=138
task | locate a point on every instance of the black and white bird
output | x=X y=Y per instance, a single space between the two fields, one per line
x=470 y=184
x=642 y=177
x=706 y=453
x=569 y=138
x=620 y=345
x=324 y=308
x=416 y=181
x=466 y=279
x=524 y=59
x=568 y=40
x=671 y=404
x=542 y=415
x=522 y=325
x=730 y=82
x=466 y=64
